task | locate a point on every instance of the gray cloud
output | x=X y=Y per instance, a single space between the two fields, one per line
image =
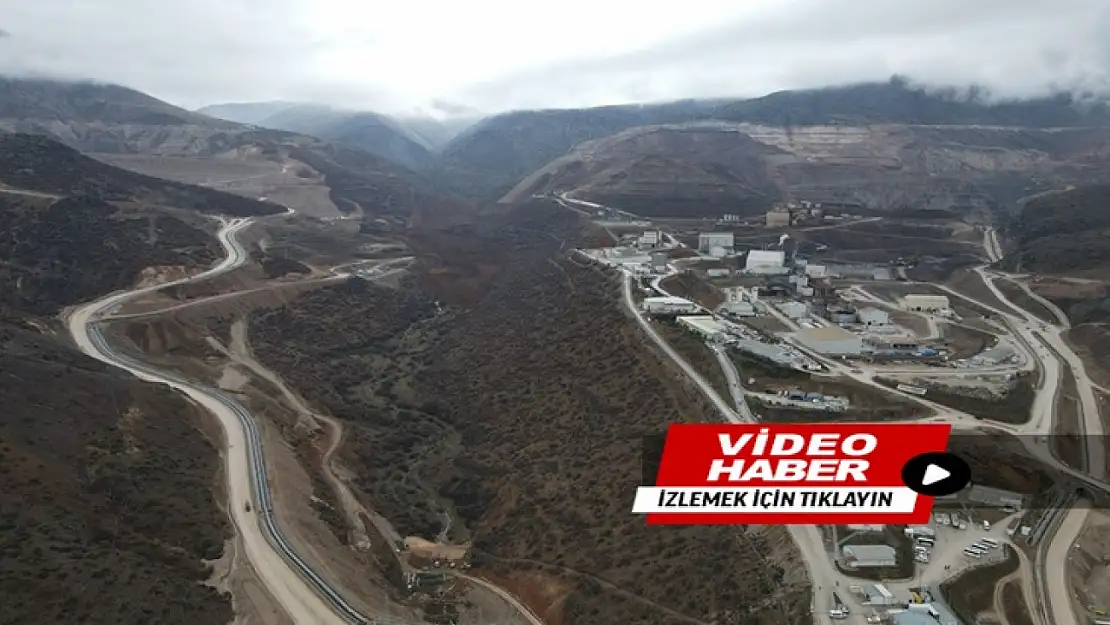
x=1014 y=48
x=206 y=51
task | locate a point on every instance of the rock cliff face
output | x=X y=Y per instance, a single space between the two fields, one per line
x=712 y=168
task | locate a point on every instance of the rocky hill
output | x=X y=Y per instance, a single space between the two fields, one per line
x=695 y=169
x=1063 y=232
x=493 y=156
x=106 y=118
x=658 y=171
x=37 y=163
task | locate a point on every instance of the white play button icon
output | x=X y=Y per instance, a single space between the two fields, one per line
x=934 y=474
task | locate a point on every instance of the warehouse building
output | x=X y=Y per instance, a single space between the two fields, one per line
x=669 y=305
x=831 y=341
x=871 y=316
x=704 y=325
x=925 y=303
x=868 y=556
x=766 y=262
x=778 y=218
x=794 y=310
x=996 y=355
x=709 y=240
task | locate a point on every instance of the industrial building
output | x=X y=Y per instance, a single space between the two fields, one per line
x=778 y=218
x=925 y=303
x=997 y=497
x=739 y=308
x=659 y=261
x=718 y=272
x=871 y=528
x=831 y=341
x=869 y=556
x=709 y=240
x=669 y=305
x=841 y=314
x=816 y=271
x=996 y=355
x=650 y=238
x=766 y=261
x=704 y=325
x=794 y=310
x=871 y=316
x=774 y=353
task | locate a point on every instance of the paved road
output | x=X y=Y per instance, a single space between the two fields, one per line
x=305 y=597
x=1059 y=600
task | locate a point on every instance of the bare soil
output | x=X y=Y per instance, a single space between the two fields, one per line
x=287 y=182
x=1019 y=297
x=968 y=282
x=1089 y=567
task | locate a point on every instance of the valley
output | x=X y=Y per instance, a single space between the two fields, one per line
x=409 y=381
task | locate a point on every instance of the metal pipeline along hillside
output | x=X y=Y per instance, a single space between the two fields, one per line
x=306 y=596
x=260 y=487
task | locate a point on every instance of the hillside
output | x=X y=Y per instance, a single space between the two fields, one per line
x=1063 y=232
x=490 y=158
x=710 y=168
x=107 y=512
x=36 y=163
x=658 y=171
x=501 y=407
x=106 y=118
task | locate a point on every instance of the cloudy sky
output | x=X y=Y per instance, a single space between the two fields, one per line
x=495 y=55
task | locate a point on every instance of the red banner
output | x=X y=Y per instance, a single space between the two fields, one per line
x=790 y=473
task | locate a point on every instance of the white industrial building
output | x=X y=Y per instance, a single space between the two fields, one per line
x=870 y=528
x=669 y=305
x=704 y=325
x=873 y=317
x=831 y=341
x=739 y=308
x=794 y=310
x=718 y=272
x=996 y=355
x=817 y=271
x=925 y=303
x=869 y=556
x=650 y=238
x=709 y=240
x=659 y=261
x=766 y=261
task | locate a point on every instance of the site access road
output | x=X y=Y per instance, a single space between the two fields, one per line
x=290 y=580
